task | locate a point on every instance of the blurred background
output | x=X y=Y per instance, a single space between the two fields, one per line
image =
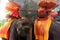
x=31 y=5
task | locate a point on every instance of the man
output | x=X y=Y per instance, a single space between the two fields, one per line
x=54 y=32
x=44 y=19
x=14 y=15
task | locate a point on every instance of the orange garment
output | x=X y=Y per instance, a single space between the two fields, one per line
x=5 y=29
x=41 y=28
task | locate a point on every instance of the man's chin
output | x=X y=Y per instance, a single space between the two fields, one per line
x=42 y=16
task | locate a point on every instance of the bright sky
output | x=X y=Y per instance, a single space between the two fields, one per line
x=2 y=9
x=0 y=39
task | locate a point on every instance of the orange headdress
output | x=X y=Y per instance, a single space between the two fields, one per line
x=14 y=8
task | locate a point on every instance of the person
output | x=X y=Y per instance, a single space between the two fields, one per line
x=54 y=32
x=21 y=29
x=14 y=8
x=44 y=19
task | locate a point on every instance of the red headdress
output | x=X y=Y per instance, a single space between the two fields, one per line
x=47 y=3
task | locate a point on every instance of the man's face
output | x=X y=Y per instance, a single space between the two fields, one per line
x=42 y=13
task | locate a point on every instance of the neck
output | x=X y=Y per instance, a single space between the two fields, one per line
x=43 y=18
